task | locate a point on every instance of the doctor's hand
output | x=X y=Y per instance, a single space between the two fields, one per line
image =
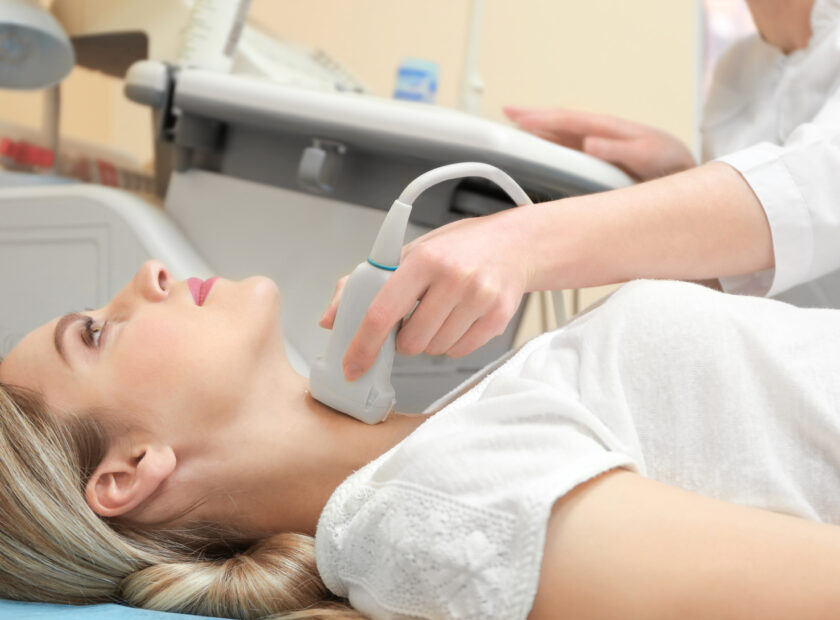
x=468 y=277
x=643 y=152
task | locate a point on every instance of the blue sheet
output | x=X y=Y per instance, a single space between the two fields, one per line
x=41 y=611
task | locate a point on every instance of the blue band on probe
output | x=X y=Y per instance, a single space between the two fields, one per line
x=379 y=266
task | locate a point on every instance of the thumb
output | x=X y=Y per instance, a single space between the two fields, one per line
x=328 y=318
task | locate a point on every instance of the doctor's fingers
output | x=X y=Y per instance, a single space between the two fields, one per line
x=488 y=326
x=328 y=318
x=394 y=300
x=451 y=303
x=461 y=320
x=567 y=124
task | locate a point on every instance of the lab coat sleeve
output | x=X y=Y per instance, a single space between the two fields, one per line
x=798 y=185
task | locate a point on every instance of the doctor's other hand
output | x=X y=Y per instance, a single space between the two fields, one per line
x=466 y=278
x=643 y=152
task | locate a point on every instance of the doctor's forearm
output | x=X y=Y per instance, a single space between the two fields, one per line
x=702 y=223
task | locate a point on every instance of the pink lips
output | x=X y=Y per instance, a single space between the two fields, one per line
x=200 y=288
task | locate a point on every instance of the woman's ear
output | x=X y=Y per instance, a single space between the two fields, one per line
x=127 y=477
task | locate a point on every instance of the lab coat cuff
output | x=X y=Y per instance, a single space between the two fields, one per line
x=764 y=169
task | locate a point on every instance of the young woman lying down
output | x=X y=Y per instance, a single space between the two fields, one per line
x=670 y=454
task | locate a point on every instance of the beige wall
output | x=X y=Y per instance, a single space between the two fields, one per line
x=633 y=58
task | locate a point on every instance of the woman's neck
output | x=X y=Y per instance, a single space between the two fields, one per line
x=284 y=464
x=345 y=445
x=785 y=24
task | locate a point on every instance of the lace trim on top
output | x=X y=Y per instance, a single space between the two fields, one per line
x=438 y=546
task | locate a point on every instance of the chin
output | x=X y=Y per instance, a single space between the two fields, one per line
x=263 y=303
x=263 y=290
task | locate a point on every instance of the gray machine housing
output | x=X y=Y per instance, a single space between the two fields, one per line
x=264 y=178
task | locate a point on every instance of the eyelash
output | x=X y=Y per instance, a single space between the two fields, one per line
x=90 y=336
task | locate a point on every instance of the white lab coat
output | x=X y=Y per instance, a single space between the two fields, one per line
x=776 y=119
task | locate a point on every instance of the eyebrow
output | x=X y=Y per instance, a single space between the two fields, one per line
x=61 y=327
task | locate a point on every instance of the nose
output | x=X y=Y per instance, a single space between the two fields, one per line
x=152 y=283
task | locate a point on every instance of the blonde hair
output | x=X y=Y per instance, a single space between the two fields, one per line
x=56 y=550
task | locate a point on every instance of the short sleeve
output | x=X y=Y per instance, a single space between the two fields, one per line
x=451 y=523
x=408 y=552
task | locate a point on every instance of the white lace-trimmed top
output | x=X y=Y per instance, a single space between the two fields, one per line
x=729 y=396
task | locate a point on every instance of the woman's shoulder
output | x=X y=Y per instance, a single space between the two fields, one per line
x=677 y=314
x=660 y=296
x=653 y=300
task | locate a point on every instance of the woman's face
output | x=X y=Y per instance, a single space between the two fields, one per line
x=159 y=353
